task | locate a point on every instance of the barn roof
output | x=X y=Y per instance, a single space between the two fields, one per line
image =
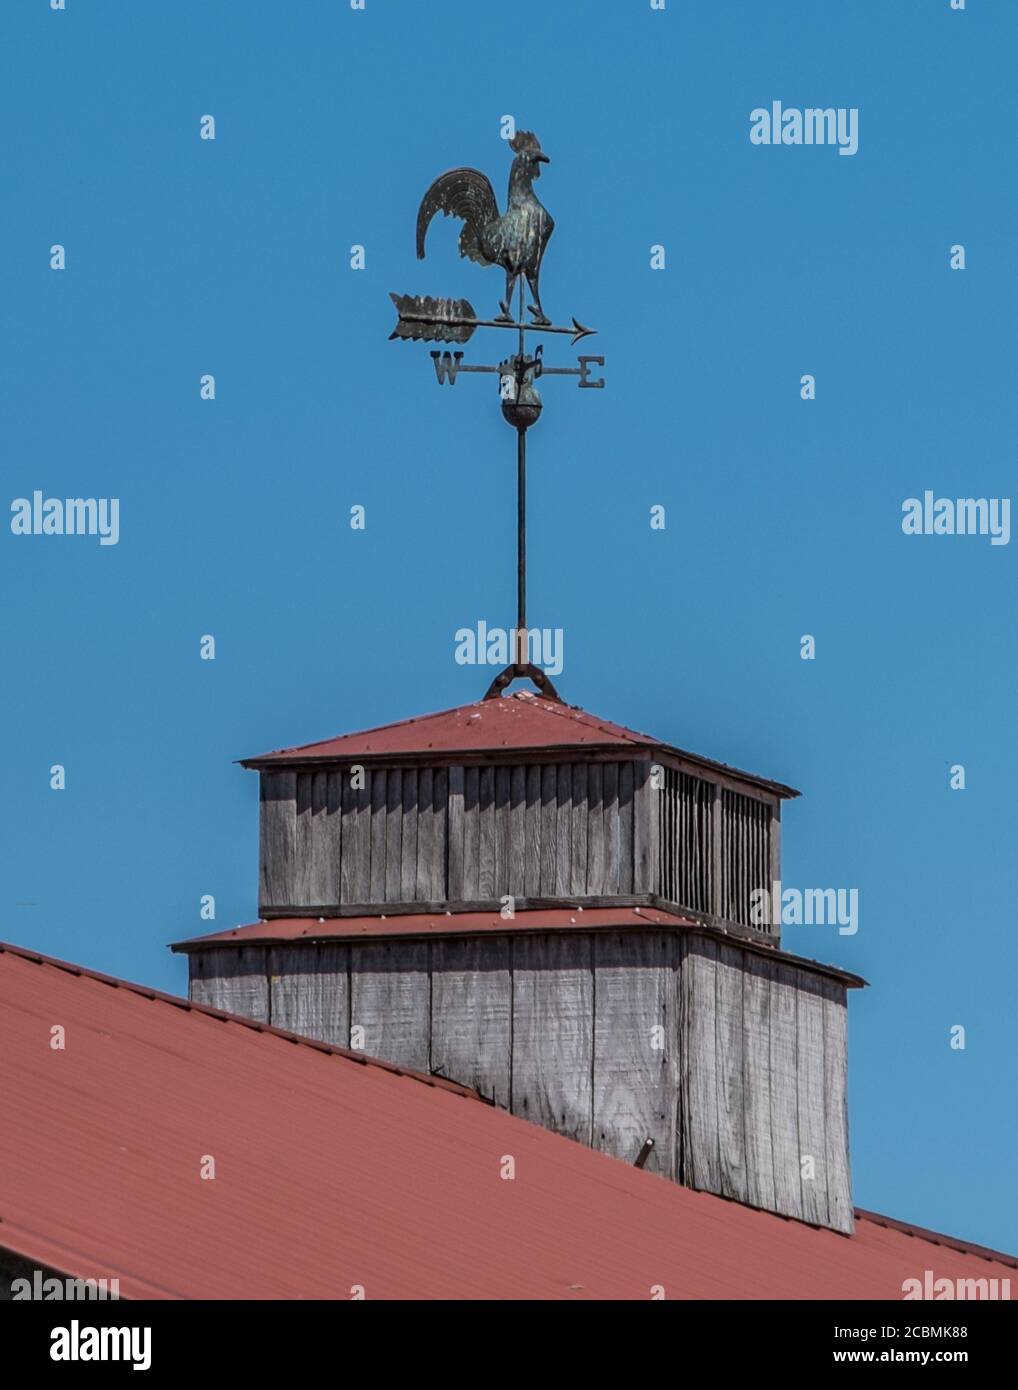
x=520 y=723
x=284 y=930
x=333 y=1171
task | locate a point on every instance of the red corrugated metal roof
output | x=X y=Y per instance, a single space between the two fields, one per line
x=518 y=722
x=426 y=924
x=331 y=1173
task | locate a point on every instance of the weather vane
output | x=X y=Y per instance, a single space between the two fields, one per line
x=516 y=241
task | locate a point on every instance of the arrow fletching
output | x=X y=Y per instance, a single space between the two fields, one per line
x=423 y=318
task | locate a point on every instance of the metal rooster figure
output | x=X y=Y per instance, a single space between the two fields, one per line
x=516 y=241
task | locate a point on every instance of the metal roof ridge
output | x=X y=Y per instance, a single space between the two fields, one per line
x=963 y=1247
x=189 y=1006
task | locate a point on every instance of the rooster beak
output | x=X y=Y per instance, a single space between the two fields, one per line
x=542 y=158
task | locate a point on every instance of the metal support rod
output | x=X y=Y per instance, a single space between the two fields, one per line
x=521 y=512
x=521 y=546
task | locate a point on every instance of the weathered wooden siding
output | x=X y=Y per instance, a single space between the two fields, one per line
x=763 y=1109
x=460 y=834
x=733 y=1063
x=480 y=834
x=716 y=847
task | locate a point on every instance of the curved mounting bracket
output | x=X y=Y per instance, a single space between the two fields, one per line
x=522 y=671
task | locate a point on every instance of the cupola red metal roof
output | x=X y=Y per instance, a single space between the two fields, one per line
x=519 y=722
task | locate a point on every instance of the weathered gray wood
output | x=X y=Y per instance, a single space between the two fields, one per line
x=552 y=1032
x=390 y=992
x=612 y=827
x=785 y=1144
x=379 y=777
x=729 y=1005
x=471 y=832
x=471 y=1014
x=635 y=1046
x=233 y=978
x=308 y=991
x=564 y=829
x=839 y=1179
x=516 y=884
x=320 y=878
x=701 y=1155
x=549 y=830
x=456 y=832
x=626 y=828
x=408 y=836
x=717 y=857
x=578 y=847
x=303 y=838
x=502 y=810
x=425 y=834
x=486 y=834
x=532 y=853
x=355 y=874
x=439 y=846
x=393 y=835
x=595 y=830
x=756 y=1026
x=278 y=814
x=810 y=1077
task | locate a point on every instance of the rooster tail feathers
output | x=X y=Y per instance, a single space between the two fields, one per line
x=466 y=194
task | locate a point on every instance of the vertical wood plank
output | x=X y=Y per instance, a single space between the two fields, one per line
x=408 y=838
x=456 y=832
x=318 y=848
x=425 y=833
x=549 y=830
x=701 y=1154
x=552 y=1032
x=390 y=1000
x=393 y=835
x=302 y=841
x=626 y=827
x=564 y=830
x=612 y=844
x=471 y=1014
x=717 y=851
x=812 y=1127
x=729 y=1005
x=277 y=833
x=784 y=1091
x=308 y=991
x=439 y=839
x=233 y=978
x=502 y=811
x=332 y=841
x=376 y=883
x=756 y=1023
x=839 y=1177
x=532 y=857
x=775 y=867
x=516 y=884
x=486 y=849
x=595 y=830
x=355 y=872
x=635 y=1047
x=471 y=834
x=578 y=848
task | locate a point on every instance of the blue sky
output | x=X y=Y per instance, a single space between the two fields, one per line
x=232 y=257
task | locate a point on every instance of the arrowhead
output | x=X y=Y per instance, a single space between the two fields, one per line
x=580 y=332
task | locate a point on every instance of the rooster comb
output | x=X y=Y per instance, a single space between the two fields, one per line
x=525 y=141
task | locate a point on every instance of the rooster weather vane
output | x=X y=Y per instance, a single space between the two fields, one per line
x=516 y=241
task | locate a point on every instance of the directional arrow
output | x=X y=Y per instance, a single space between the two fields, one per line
x=423 y=318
